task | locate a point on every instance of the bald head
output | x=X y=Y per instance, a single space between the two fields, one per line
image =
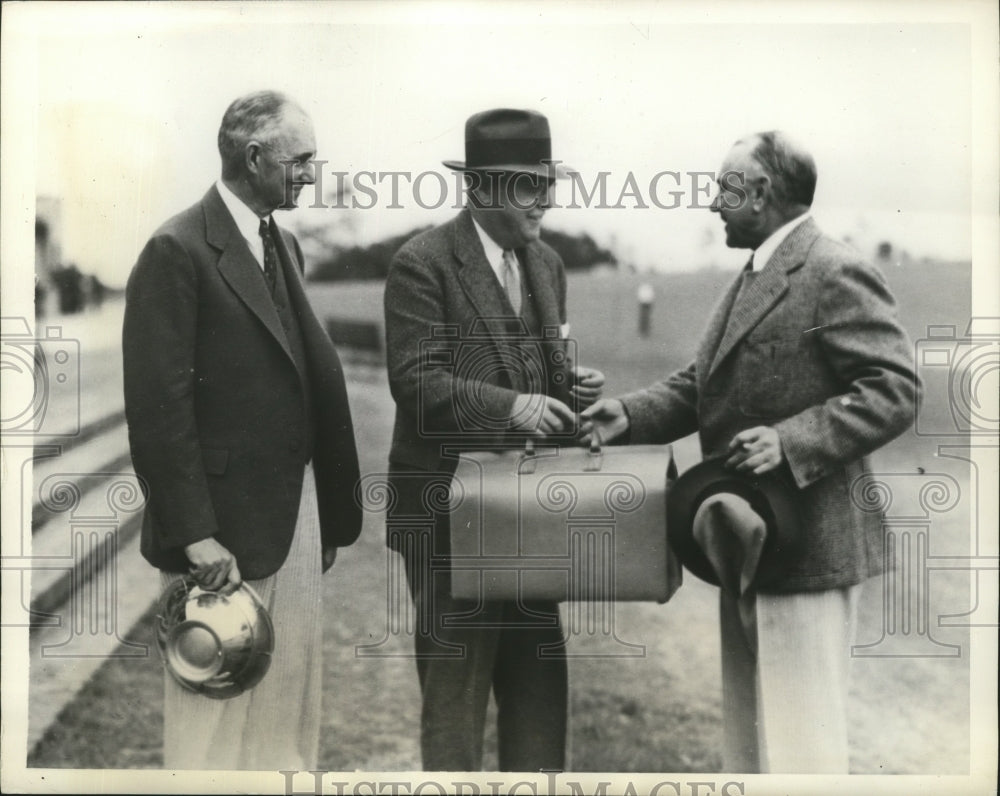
x=791 y=169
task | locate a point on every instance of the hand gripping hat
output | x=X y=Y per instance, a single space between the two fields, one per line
x=733 y=530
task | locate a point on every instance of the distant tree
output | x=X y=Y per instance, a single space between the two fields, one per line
x=324 y=233
x=361 y=262
x=69 y=282
x=884 y=251
x=579 y=252
x=95 y=290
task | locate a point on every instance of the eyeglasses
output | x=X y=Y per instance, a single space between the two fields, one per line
x=302 y=161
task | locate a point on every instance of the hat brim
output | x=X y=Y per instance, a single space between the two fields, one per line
x=770 y=495
x=557 y=171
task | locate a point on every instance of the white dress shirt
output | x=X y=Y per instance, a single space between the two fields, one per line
x=766 y=250
x=247 y=221
x=494 y=256
x=494 y=253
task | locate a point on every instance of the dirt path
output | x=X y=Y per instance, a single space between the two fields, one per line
x=654 y=711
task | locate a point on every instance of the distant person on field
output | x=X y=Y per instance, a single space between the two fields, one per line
x=645 y=296
x=240 y=428
x=803 y=370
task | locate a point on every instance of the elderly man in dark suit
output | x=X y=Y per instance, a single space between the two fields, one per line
x=240 y=428
x=475 y=314
x=803 y=370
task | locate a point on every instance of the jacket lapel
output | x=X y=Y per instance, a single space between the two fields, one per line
x=477 y=278
x=296 y=292
x=290 y=268
x=715 y=329
x=539 y=286
x=767 y=289
x=239 y=268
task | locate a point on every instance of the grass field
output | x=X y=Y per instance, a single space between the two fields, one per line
x=659 y=711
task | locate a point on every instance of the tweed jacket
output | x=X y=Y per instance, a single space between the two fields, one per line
x=814 y=350
x=216 y=405
x=448 y=329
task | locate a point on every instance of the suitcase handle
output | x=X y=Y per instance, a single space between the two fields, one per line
x=528 y=460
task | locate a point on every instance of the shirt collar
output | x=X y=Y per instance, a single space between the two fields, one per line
x=247 y=221
x=763 y=253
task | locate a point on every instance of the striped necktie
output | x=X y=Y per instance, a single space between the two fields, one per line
x=270 y=255
x=512 y=280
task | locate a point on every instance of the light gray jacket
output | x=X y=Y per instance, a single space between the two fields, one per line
x=813 y=349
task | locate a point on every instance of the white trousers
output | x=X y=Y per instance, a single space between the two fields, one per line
x=276 y=724
x=784 y=680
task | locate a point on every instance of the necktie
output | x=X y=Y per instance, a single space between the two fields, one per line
x=512 y=280
x=270 y=255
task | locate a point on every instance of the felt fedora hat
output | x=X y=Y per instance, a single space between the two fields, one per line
x=712 y=515
x=505 y=139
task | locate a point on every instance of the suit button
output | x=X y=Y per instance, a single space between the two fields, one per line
x=294 y=446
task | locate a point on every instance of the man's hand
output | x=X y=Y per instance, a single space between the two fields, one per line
x=329 y=556
x=587 y=385
x=608 y=417
x=212 y=565
x=756 y=450
x=540 y=415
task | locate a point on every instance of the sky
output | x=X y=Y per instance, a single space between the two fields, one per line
x=127 y=106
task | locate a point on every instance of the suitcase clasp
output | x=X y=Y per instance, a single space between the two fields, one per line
x=595 y=458
x=527 y=463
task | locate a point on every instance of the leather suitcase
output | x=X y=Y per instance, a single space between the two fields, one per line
x=563 y=523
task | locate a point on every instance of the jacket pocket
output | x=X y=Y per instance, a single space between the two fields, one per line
x=215 y=460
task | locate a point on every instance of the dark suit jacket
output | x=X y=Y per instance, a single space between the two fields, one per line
x=449 y=335
x=814 y=350
x=215 y=403
x=442 y=297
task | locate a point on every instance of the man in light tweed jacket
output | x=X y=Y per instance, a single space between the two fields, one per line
x=803 y=369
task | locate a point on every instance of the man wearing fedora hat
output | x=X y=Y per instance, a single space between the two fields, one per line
x=491 y=297
x=802 y=371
